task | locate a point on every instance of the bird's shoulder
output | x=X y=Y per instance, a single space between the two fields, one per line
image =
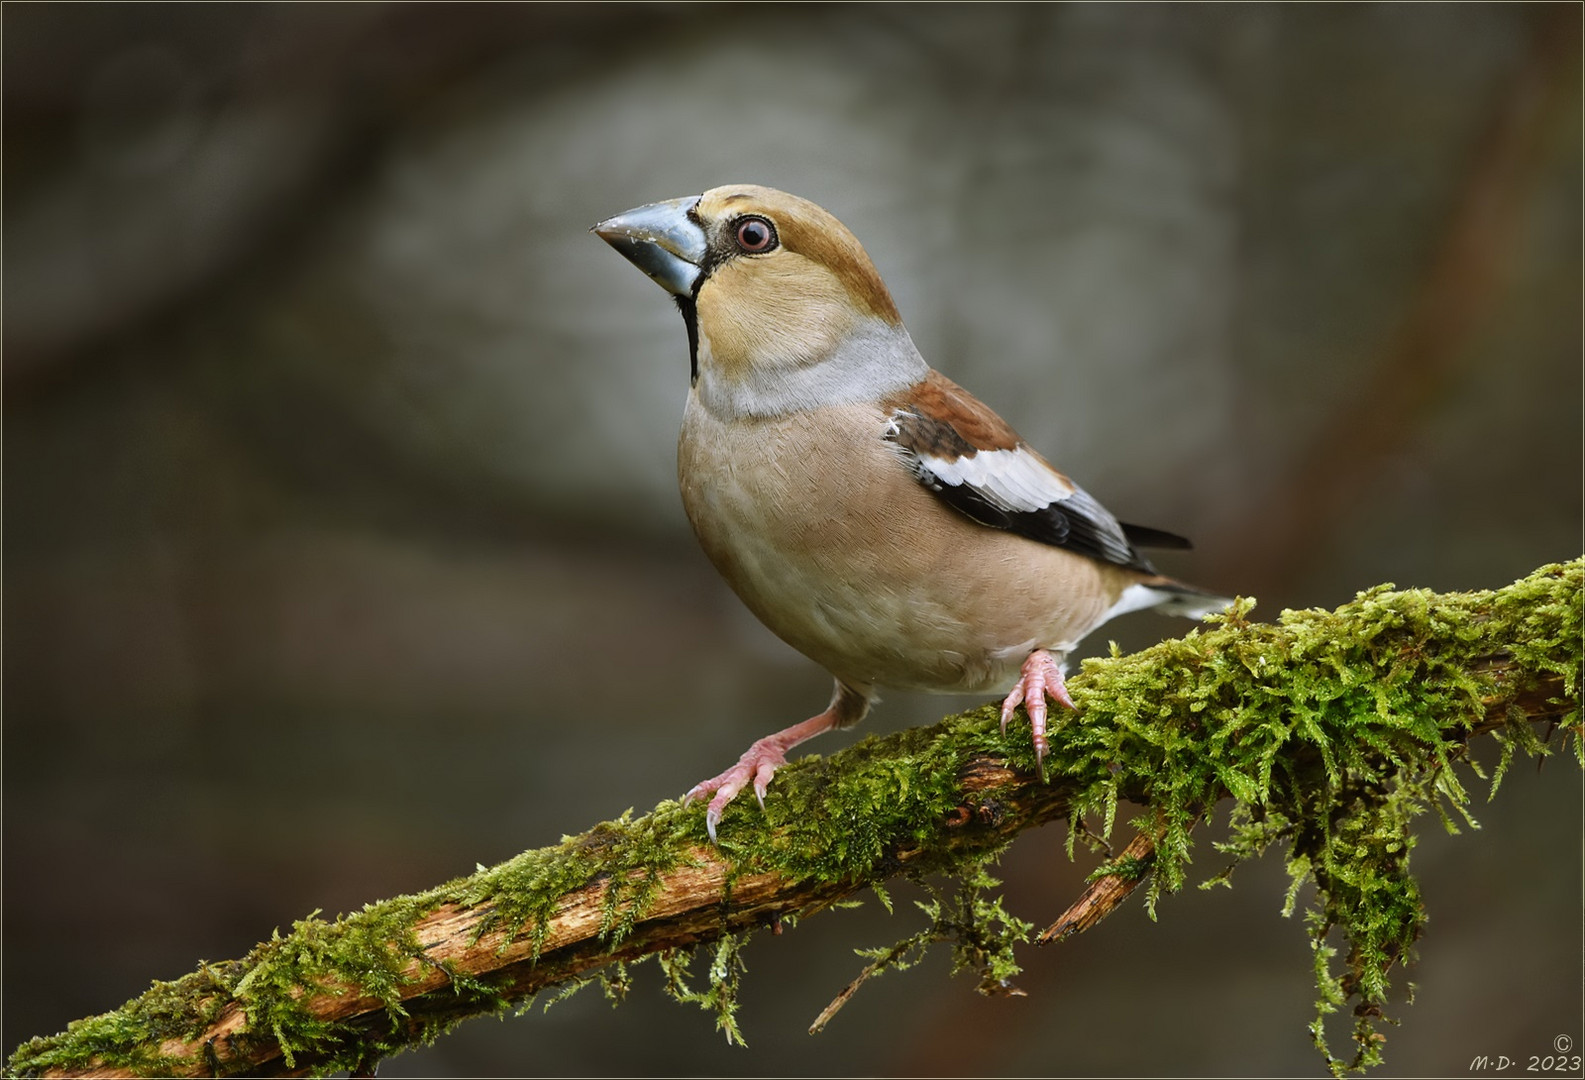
x=973 y=460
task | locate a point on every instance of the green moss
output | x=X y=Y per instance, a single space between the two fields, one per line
x=720 y=995
x=131 y=1036
x=1328 y=733
x=982 y=932
x=630 y=855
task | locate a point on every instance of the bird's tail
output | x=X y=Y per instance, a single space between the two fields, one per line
x=1170 y=597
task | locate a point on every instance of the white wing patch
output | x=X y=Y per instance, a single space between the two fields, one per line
x=1013 y=489
x=1014 y=480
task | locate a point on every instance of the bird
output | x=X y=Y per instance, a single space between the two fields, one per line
x=876 y=516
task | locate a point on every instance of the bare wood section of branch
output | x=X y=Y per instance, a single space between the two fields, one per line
x=1104 y=895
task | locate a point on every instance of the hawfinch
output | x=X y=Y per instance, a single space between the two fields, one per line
x=870 y=511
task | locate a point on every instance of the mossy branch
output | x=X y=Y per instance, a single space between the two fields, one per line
x=1328 y=731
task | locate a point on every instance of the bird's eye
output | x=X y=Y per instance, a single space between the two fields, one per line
x=755 y=235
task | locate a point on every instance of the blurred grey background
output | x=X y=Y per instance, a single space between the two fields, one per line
x=342 y=549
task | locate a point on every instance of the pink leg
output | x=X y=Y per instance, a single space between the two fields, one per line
x=1041 y=678
x=760 y=761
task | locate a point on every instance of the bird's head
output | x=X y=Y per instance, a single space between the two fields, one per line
x=784 y=308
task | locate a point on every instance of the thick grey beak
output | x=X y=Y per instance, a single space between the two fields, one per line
x=661 y=240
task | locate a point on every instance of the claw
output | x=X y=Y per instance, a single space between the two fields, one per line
x=759 y=763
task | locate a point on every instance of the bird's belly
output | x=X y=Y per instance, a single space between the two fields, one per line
x=831 y=542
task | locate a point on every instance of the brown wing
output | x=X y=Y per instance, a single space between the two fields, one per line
x=961 y=450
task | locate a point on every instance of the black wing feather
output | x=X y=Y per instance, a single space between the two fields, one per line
x=1074 y=521
x=1145 y=536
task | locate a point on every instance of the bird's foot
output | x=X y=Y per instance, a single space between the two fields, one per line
x=1041 y=678
x=757 y=765
x=760 y=761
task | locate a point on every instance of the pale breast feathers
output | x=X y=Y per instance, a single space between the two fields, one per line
x=977 y=464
